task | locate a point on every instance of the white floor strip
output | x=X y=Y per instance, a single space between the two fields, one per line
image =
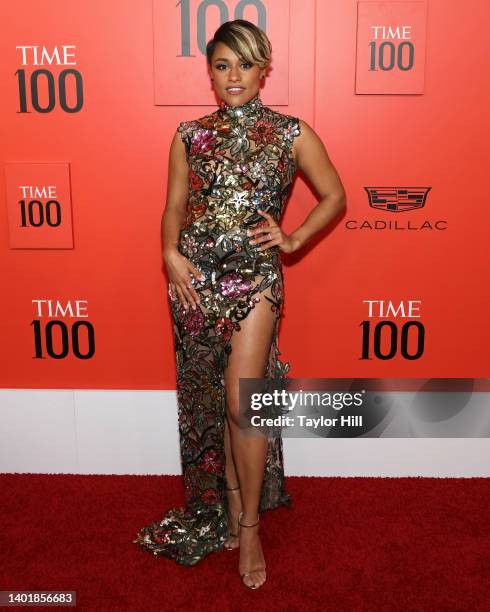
x=135 y=432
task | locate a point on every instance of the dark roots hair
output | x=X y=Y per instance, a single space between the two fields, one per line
x=245 y=39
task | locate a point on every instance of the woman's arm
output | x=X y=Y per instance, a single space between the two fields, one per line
x=179 y=268
x=311 y=158
x=177 y=194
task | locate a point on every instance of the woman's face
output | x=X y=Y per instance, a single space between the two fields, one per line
x=235 y=81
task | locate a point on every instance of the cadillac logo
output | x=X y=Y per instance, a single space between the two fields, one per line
x=397 y=199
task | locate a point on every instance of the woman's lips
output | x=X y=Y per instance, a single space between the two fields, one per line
x=235 y=91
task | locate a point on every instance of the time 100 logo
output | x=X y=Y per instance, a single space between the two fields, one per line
x=185 y=19
x=385 y=55
x=29 y=84
x=372 y=331
x=68 y=335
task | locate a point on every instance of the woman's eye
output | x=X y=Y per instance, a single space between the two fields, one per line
x=219 y=66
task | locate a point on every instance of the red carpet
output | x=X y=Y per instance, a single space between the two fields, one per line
x=379 y=544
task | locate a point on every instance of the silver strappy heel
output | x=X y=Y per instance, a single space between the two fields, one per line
x=259 y=569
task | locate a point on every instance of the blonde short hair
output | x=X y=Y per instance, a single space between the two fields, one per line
x=245 y=39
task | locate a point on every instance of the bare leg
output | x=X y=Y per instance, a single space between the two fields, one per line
x=234 y=497
x=248 y=359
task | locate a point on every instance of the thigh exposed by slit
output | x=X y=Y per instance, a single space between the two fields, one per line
x=250 y=348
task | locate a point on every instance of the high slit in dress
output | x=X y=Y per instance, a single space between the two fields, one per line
x=240 y=161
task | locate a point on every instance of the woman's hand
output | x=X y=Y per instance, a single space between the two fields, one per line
x=179 y=270
x=269 y=234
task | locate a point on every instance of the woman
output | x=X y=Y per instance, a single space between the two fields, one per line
x=230 y=173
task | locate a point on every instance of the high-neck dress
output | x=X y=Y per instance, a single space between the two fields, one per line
x=240 y=161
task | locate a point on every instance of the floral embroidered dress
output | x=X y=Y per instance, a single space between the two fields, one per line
x=240 y=161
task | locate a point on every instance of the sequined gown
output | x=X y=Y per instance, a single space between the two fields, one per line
x=240 y=161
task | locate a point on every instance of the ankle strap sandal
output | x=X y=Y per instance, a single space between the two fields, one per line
x=259 y=569
x=243 y=525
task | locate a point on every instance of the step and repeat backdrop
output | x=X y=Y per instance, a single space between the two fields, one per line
x=92 y=94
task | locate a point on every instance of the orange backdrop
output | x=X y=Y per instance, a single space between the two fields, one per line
x=111 y=159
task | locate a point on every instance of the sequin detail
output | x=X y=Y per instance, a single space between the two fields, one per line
x=240 y=161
